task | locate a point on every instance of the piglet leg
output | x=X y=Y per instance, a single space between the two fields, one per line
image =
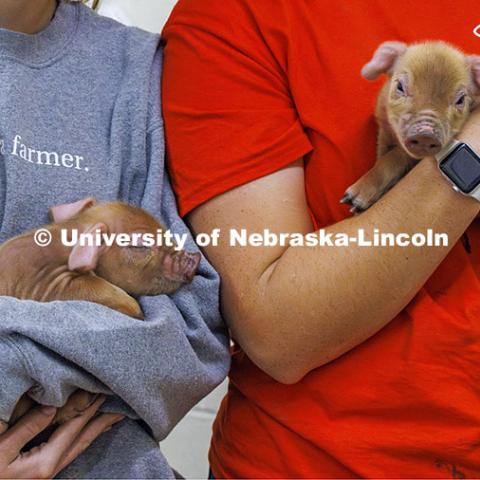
x=386 y=172
x=91 y=288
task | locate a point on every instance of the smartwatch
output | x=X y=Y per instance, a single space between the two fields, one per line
x=460 y=165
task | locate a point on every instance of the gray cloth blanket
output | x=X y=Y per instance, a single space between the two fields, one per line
x=159 y=367
x=81 y=116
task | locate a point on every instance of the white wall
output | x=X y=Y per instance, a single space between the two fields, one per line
x=147 y=14
x=186 y=447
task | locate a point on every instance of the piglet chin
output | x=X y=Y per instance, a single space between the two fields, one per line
x=419 y=153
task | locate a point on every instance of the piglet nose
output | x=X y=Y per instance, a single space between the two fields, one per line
x=190 y=262
x=423 y=143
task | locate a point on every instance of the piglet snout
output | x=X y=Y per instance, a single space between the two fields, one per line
x=423 y=145
x=181 y=266
x=190 y=262
x=423 y=140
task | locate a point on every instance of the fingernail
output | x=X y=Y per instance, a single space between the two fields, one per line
x=47 y=410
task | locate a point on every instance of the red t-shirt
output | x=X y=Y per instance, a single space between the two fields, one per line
x=249 y=87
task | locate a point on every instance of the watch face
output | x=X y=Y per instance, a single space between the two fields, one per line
x=462 y=167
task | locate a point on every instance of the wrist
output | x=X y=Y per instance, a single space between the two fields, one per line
x=471 y=136
x=429 y=169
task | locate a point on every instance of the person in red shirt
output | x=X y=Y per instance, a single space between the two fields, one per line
x=348 y=362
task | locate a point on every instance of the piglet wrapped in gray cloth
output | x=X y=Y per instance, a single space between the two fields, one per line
x=154 y=369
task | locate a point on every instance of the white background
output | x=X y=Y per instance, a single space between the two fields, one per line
x=147 y=14
x=186 y=448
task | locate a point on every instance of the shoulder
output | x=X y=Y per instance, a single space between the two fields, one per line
x=107 y=35
x=257 y=30
x=227 y=10
x=124 y=60
x=231 y=18
x=123 y=56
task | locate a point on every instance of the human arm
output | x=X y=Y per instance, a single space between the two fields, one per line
x=295 y=309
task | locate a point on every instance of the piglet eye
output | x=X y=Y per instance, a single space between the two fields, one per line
x=460 y=100
x=400 y=88
x=139 y=248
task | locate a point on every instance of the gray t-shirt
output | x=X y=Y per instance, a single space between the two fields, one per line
x=80 y=116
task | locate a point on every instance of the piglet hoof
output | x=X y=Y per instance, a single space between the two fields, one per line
x=364 y=193
x=133 y=311
x=76 y=405
x=361 y=195
x=348 y=199
x=357 y=203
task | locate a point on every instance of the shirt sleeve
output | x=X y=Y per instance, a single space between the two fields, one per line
x=229 y=113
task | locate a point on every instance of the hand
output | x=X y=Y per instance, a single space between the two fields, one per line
x=65 y=444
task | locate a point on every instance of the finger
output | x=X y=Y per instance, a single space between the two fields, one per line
x=89 y=434
x=75 y=406
x=23 y=406
x=63 y=437
x=26 y=429
x=65 y=434
x=3 y=426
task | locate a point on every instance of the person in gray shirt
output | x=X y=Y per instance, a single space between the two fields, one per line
x=81 y=116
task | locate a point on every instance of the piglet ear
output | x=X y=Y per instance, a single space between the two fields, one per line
x=383 y=60
x=473 y=62
x=84 y=258
x=60 y=213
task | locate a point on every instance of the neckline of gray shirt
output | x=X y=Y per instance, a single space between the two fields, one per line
x=44 y=47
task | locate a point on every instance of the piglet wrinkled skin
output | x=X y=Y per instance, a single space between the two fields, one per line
x=111 y=275
x=432 y=88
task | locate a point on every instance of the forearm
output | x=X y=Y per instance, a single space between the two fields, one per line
x=343 y=295
x=293 y=309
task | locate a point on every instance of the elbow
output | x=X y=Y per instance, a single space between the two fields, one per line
x=278 y=360
x=286 y=356
x=281 y=369
x=277 y=354
x=285 y=375
x=288 y=364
